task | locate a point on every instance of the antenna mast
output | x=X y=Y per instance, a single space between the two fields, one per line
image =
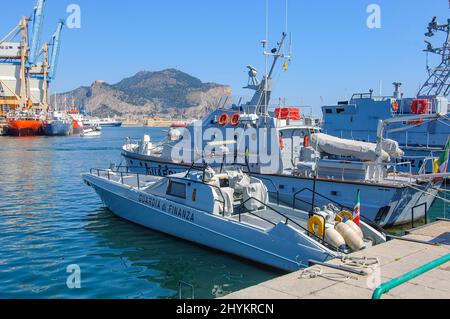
x=260 y=100
x=438 y=83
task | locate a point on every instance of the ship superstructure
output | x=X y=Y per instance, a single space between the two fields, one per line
x=421 y=139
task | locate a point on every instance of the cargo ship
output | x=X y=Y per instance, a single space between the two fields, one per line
x=58 y=125
x=25 y=124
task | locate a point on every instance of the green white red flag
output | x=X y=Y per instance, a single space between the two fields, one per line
x=441 y=164
x=357 y=210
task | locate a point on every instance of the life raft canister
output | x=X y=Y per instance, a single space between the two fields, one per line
x=420 y=106
x=224 y=119
x=316 y=226
x=395 y=106
x=235 y=119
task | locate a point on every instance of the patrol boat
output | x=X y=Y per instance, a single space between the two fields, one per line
x=303 y=162
x=229 y=211
x=421 y=138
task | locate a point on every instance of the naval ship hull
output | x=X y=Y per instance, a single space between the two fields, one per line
x=383 y=204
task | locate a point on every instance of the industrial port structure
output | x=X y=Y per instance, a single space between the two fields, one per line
x=27 y=68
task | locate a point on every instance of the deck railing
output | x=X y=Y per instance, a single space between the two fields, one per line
x=286 y=219
x=121 y=175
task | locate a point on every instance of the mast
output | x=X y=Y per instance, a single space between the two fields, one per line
x=261 y=98
x=45 y=84
x=23 y=60
x=438 y=82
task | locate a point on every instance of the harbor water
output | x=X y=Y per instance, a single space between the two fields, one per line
x=50 y=220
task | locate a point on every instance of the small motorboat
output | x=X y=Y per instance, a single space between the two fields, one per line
x=92 y=132
x=229 y=210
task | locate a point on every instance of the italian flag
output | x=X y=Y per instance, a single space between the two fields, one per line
x=441 y=164
x=357 y=210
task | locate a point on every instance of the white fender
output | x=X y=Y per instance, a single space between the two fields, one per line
x=335 y=239
x=351 y=236
x=355 y=227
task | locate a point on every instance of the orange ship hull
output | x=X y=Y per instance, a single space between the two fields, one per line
x=26 y=127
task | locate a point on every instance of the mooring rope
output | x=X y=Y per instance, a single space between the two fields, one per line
x=426 y=192
x=316 y=271
x=361 y=263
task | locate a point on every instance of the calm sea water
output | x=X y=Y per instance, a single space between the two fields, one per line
x=49 y=220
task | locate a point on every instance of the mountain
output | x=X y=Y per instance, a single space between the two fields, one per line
x=167 y=93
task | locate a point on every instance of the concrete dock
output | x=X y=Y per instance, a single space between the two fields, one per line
x=396 y=257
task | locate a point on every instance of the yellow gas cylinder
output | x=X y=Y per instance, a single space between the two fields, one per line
x=350 y=236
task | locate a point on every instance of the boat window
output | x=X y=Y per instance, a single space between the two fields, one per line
x=329 y=111
x=339 y=111
x=176 y=189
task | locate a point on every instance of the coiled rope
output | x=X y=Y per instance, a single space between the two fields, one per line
x=369 y=265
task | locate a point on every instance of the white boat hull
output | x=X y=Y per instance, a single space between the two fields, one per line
x=383 y=204
x=281 y=247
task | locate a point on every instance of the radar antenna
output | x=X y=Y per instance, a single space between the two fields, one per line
x=438 y=82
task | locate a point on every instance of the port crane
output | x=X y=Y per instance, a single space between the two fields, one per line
x=10 y=53
x=37 y=19
x=28 y=52
x=25 y=52
x=56 y=47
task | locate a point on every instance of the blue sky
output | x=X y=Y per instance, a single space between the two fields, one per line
x=334 y=53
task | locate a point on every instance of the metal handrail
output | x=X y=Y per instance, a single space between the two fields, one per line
x=182 y=283
x=413 y=215
x=295 y=199
x=273 y=184
x=147 y=170
x=321 y=240
x=168 y=177
x=388 y=286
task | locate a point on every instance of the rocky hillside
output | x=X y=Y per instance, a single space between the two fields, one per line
x=151 y=94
